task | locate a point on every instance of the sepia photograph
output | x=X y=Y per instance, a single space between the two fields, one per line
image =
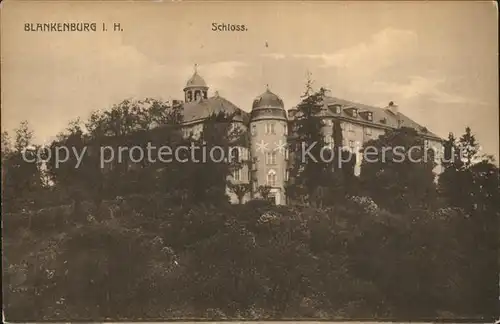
x=250 y=161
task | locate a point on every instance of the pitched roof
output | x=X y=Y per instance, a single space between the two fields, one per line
x=196 y=81
x=199 y=110
x=392 y=120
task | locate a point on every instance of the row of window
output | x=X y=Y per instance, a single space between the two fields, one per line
x=354 y=112
x=348 y=127
x=271 y=157
x=190 y=95
x=329 y=141
x=271 y=178
x=270 y=128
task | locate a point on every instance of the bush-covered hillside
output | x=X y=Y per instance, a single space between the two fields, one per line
x=140 y=259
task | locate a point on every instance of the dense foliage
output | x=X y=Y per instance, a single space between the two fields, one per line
x=144 y=259
x=154 y=241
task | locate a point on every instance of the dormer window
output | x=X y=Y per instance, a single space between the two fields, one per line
x=383 y=120
x=353 y=111
x=368 y=115
x=336 y=108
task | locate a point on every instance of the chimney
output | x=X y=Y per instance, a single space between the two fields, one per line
x=393 y=107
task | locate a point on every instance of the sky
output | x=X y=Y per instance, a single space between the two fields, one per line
x=438 y=61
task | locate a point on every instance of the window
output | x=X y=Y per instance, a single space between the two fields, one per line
x=271 y=178
x=335 y=108
x=355 y=113
x=287 y=175
x=254 y=130
x=271 y=158
x=286 y=154
x=237 y=175
x=186 y=132
x=235 y=154
x=285 y=129
x=370 y=116
x=351 y=144
x=270 y=128
x=342 y=126
x=243 y=153
x=368 y=131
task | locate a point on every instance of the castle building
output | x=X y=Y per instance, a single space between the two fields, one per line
x=268 y=125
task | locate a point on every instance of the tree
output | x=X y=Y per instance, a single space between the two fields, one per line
x=207 y=181
x=20 y=167
x=6 y=151
x=264 y=191
x=240 y=190
x=23 y=137
x=127 y=124
x=468 y=148
x=471 y=182
x=397 y=172
x=342 y=181
x=308 y=146
x=6 y=144
x=469 y=179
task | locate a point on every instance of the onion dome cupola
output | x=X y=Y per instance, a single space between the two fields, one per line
x=196 y=88
x=268 y=106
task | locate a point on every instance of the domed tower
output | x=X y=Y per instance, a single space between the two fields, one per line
x=268 y=146
x=196 y=88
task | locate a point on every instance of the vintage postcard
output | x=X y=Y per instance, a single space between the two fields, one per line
x=292 y=161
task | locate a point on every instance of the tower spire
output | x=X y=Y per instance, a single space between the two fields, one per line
x=195 y=67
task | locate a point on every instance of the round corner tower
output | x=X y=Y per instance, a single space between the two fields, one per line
x=268 y=146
